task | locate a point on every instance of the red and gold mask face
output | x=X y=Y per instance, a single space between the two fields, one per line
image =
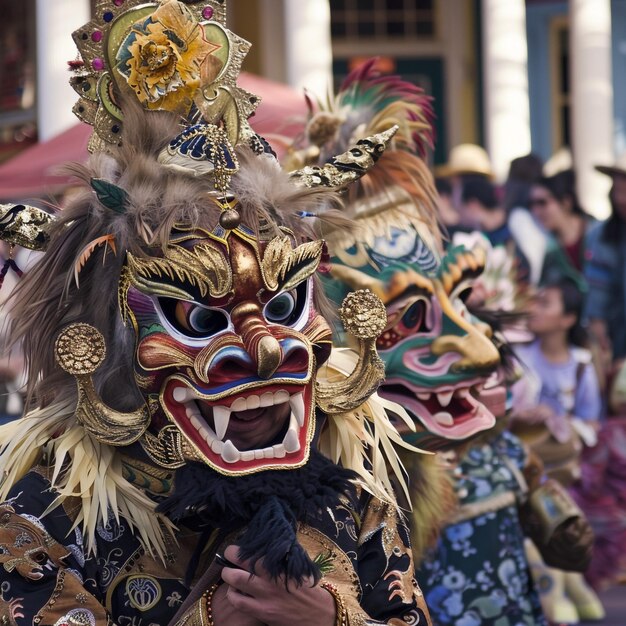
x=228 y=345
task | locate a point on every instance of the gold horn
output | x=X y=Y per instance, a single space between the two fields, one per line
x=340 y=171
x=364 y=316
x=80 y=350
x=25 y=226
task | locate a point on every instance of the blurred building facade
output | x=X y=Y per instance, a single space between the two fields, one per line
x=512 y=75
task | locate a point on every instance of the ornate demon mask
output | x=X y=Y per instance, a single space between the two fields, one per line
x=437 y=356
x=178 y=290
x=228 y=347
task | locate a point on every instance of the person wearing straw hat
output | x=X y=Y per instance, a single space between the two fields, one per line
x=604 y=269
x=466 y=162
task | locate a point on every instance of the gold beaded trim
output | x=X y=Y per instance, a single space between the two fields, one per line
x=208 y=598
x=342 y=614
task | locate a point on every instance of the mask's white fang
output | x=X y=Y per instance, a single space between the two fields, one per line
x=221 y=417
x=297 y=407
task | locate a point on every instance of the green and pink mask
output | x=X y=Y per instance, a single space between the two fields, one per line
x=437 y=356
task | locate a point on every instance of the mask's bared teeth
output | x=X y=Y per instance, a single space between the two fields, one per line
x=180 y=395
x=230 y=454
x=238 y=405
x=279 y=450
x=462 y=393
x=196 y=422
x=478 y=388
x=424 y=396
x=291 y=442
x=253 y=402
x=281 y=396
x=444 y=419
x=268 y=453
x=444 y=398
x=217 y=446
x=221 y=418
x=297 y=407
x=267 y=399
x=247 y=455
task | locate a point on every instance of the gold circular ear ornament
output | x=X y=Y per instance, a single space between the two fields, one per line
x=80 y=349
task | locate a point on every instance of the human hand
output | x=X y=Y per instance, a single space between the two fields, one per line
x=225 y=614
x=271 y=601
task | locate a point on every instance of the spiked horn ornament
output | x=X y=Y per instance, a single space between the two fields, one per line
x=25 y=226
x=346 y=168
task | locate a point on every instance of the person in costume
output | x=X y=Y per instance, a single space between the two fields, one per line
x=169 y=468
x=438 y=358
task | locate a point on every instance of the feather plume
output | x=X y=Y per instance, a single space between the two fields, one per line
x=368 y=103
x=87 y=251
x=80 y=467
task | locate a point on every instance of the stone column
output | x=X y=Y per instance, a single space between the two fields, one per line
x=308 y=50
x=505 y=57
x=592 y=100
x=56 y=19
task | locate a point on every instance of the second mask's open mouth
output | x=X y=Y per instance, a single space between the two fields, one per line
x=450 y=413
x=265 y=427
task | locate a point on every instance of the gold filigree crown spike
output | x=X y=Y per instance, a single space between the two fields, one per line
x=346 y=168
x=25 y=226
x=169 y=55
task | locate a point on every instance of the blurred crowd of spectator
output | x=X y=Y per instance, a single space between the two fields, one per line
x=569 y=280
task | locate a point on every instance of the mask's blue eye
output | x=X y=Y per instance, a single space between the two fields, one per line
x=280 y=308
x=193 y=320
x=287 y=308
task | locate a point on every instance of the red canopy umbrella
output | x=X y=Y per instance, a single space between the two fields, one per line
x=31 y=174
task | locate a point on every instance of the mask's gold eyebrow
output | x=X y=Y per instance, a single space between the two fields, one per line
x=203 y=268
x=462 y=264
x=283 y=267
x=409 y=292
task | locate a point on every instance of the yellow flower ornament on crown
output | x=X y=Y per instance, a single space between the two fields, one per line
x=171 y=55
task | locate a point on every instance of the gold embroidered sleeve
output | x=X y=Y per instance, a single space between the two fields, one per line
x=36 y=581
x=391 y=594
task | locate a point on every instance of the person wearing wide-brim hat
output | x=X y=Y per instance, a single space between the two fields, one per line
x=605 y=268
x=466 y=159
x=466 y=162
x=618 y=169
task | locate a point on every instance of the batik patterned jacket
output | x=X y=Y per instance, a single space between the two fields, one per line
x=48 y=578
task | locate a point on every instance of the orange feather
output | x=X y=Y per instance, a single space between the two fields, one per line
x=88 y=250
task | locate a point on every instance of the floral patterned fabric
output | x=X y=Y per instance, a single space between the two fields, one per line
x=477 y=575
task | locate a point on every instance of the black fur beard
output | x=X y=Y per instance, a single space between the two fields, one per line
x=267 y=506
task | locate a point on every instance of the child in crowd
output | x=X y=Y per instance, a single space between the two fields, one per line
x=562 y=416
